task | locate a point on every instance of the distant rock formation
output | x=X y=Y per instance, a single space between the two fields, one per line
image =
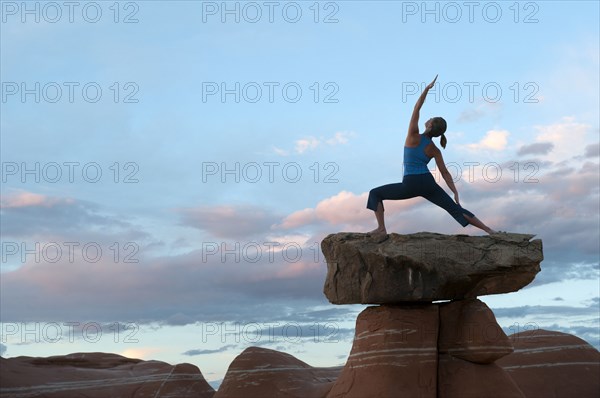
x=553 y=365
x=99 y=375
x=260 y=372
x=426 y=266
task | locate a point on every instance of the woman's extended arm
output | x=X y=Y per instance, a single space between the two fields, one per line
x=439 y=161
x=413 y=126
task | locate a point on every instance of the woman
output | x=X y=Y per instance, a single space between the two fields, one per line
x=417 y=180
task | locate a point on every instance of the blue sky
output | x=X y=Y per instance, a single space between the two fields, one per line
x=190 y=180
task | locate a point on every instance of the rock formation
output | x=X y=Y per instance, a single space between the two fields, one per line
x=260 y=372
x=394 y=354
x=469 y=331
x=426 y=266
x=408 y=346
x=553 y=364
x=411 y=346
x=99 y=375
x=427 y=350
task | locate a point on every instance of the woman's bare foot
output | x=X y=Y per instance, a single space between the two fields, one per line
x=379 y=234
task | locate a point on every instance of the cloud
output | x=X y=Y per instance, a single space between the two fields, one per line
x=141 y=353
x=553 y=310
x=311 y=143
x=206 y=352
x=592 y=150
x=2 y=349
x=344 y=208
x=567 y=136
x=339 y=137
x=179 y=319
x=305 y=144
x=174 y=290
x=538 y=148
x=470 y=115
x=229 y=222
x=280 y=152
x=31 y=218
x=583 y=321
x=495 y=140
x=294 y=331
x=482 y=109
x=22 y=199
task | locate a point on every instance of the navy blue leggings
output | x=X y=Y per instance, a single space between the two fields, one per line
x=414 y=185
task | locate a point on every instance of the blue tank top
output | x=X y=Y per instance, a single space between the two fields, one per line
x=415 y=160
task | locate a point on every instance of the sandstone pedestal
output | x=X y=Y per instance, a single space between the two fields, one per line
x=394 y=354
x=469 y=331
x=427 y=350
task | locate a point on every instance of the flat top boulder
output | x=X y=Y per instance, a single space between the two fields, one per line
x=426 y=266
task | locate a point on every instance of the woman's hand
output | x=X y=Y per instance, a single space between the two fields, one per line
x=456 y=198
x=430 y=85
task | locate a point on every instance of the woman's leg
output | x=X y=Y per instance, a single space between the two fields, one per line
x=396 y=191
x=464 y=217
x=478 y=223
x=380 y=220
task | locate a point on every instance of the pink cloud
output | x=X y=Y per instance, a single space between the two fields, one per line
x=495 y=140
x=344 y=210
x=298 y=269
x=228 y=221
x=30 y=199
x=299 y=218
x=568 y=137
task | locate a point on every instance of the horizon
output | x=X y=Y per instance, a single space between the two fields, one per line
x=169 y=169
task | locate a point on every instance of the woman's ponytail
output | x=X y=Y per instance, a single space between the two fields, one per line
x=438 y=128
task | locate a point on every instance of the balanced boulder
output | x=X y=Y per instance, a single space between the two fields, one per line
x=426 y=266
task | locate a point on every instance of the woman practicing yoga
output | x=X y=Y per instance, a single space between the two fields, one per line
x=417 y=180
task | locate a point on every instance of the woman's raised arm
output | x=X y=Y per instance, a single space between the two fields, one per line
x=413 y=126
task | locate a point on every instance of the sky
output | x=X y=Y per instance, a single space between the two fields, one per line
x=169 y=168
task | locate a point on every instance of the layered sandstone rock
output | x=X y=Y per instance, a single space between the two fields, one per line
x=261 y=372
x=553 y=364
x=99 y=375
x=469 y=331
x=426 y=266
x=458 y=378
x=394 y=354
x=422 y=350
